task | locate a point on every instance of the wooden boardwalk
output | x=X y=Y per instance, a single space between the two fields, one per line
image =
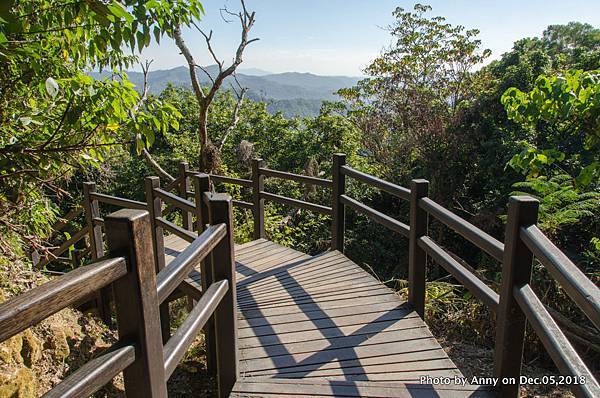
x=322 y=326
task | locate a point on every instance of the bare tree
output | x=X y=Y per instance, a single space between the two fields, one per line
x=209 y=153
x=147 y=156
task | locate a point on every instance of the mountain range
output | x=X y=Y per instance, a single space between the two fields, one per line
x=293 y=93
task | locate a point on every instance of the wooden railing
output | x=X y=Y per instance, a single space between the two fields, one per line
x=512 y=306
x=146 y=362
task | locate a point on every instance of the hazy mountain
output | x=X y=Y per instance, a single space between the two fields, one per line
x=295 y=94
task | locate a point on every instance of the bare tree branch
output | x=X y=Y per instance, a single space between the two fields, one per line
x=147 y=156
x=209 y=153
x=191 y=63
x=235 y=117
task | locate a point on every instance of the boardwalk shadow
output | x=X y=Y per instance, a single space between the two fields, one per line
x=338 y=346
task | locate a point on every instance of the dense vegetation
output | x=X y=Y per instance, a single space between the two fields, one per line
x=526 y=122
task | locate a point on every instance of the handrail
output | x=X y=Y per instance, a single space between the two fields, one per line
x=35 y=305
x=89 y=378
x=116 y=201
x=242 y=204
x=558 y=346
x=224 y=179
x=577 y=286
x=296 y=177
x=231 y=180
x=63 y=221
x=65 y=246
x=462 y=274
x=393 y=189
x=177 y=345
x=172 y=184
x=376 y=216
x=296 y=203
x=176 y=229
x=173 y=274
x=175 y=200
x=478 y=237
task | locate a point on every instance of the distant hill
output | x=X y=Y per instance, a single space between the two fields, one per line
x=293 y=93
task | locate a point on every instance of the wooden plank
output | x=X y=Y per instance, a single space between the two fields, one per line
x=296 y=203
x=346 y=281
x=291 y=269
x=351 y=341
x=309 y=265
x=321 y=324
x=333 y=297
x=319 y=313
x=302 y=308
x=370 y=372
x=319 y=275
x=300 y=295
x=428 y=354
x=478 y=237
x=242 y=247
x=260 y=387
x=319 y=334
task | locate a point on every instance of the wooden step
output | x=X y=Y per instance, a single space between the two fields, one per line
x=261 y=387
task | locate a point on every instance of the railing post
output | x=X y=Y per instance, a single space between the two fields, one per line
x=258 y=185
x=158 y=247
x=92 y=210
x=201 y=187
x=129 y=234
x=516 y=271
x=339 y=213
x=226 y=313
x=417 y=258
x=184 y=187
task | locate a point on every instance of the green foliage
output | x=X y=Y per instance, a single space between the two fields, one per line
x=565 y=110
x=55 y=119
x=561 y=203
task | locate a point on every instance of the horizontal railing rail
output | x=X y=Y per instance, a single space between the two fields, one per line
x=224 y=179
x=169 y=278
x=35 y=305
x=393 y=189
x=175 y=200
x=574 y=282
x=179 y=343
x=467 y=278
x=121 y=202
x=64 y=221
x=242 y=204
x=568 y=362
x=309 y=180
x=475 y=235
x=56 y=253
x=94 y=374
x=148 y=361
x=176 y=229
x=378 y=217
x=296 y=203
x=173 y=184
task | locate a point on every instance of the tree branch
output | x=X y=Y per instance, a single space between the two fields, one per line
x=187 y=54
x=235 y=117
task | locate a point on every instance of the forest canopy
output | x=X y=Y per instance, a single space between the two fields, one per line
x=526 y=122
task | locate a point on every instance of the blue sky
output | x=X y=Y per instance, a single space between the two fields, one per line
x=340 y=37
